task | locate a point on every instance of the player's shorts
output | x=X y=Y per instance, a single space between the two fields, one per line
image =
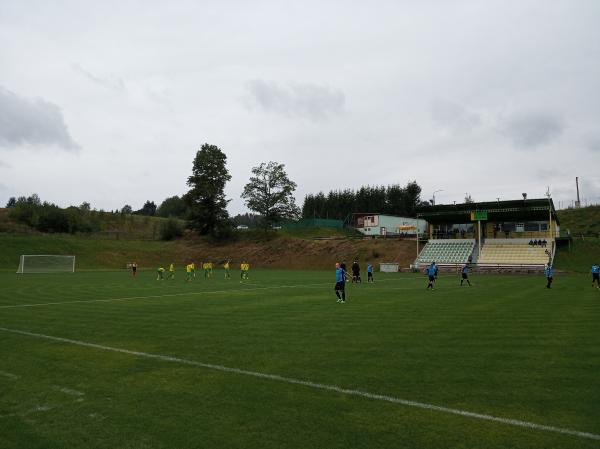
x=465 y=275
x=134 y=268
x=550 y=278
x=595 y=277
x=340 y=285
x=369 y=274
x=432 y=278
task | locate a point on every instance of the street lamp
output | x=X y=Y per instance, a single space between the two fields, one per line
x=440 y=190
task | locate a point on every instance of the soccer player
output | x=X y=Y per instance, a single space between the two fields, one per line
x=193 y=266
x=226 y=267
x=172 y=271
x=188 y=272
x=465 y=275
x=431 y=271
x=210 y=268
x=549 y=275
x=160 y=274
x=370 y=273
x=356 y=272
x=340 y=283
x=242 y=266
x=246 y=269
x=205 y=267
x=134 y=269
x=596 y=275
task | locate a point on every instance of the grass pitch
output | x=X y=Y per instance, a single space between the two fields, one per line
x=506 y=347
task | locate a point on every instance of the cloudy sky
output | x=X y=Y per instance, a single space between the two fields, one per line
x=108 y=101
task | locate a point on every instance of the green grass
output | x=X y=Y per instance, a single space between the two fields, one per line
x=505 y=347
x=585 y=220
x=580 y=256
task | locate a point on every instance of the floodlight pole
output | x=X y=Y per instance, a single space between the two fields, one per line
x=436 y=191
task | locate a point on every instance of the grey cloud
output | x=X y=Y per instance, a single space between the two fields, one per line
x=295 y=100
x=533 y=130
x=452 y=115
x=593 y=143
x=110 y=82
x=36 y=122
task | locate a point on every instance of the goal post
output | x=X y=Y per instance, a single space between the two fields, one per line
x=44 y=263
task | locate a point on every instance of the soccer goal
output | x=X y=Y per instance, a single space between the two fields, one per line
x=37 y=263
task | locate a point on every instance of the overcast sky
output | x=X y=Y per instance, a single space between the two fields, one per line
x=108 y=101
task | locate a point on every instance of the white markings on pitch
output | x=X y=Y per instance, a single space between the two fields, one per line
x=168 y=295
x=318 y=386
x=68 y=391
x=8 y=375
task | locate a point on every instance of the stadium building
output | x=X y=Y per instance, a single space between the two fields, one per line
x=388 y=225
x=500 y=234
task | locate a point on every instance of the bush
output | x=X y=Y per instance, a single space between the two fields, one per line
x=170 y=229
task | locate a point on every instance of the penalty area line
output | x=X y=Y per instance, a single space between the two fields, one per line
x=315 y=385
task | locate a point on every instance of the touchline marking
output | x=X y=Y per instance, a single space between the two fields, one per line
x=9 y=375
x=315 y=385
x=129 y=298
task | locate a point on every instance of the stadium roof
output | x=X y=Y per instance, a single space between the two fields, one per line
x=497 y=211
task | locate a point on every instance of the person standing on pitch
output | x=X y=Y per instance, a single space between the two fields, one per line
x=171 y=271
x=596 y=275
x=160 y=274
x=465 y=275
x=226 y=267
x=369 y=272
x=431 y=270
x=134 y=269
x=340 y=283
x=549 y=275
x=356 y=272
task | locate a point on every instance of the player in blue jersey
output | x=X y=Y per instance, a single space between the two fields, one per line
x=370 y=273
x=549 y=275
x=340 y=283
x=464 y=274
x=596 y=275
x=431 y=271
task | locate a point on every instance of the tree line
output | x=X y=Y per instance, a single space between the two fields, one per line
x=340 y=204
x=269 y=194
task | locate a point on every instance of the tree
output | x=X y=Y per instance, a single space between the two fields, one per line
x=149 y=208
x=270 y=193
x=126 y=209
x=11 y=202
x=85 y=207
x=173 y=206
x=206 y=198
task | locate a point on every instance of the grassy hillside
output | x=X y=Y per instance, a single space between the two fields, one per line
x=580 y=256
x=276 y=251
x=585 y=220
x=108 y=225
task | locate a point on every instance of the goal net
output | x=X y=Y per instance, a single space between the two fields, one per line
x=37 y=263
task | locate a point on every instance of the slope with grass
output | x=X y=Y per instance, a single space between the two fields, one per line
x=274 y=250
x=585 y=220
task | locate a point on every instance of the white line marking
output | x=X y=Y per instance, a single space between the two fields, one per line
x=9 y=375
x=318 y=386
x=68 y=391
x=129 y=298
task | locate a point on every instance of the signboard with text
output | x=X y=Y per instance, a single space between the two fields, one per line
x=479 y=215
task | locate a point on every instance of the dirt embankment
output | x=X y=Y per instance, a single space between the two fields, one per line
x=301 y=253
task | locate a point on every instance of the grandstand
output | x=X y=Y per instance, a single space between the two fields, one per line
x=498 y=234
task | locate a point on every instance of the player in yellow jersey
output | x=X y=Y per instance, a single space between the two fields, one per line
x=193 y=265
x=210 y=268
x=188 y=272
x=171 y=271
x=226 y=267
x=205 y=267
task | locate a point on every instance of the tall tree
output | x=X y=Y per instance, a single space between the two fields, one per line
x=270 y=193
x=206 y=197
